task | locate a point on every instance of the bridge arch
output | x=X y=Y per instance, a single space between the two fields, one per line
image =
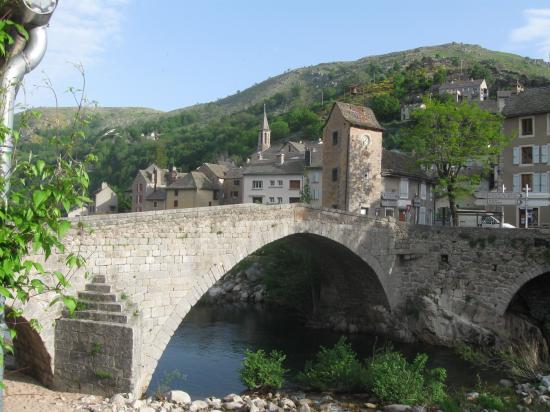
x=365 y=279
x=521 y=282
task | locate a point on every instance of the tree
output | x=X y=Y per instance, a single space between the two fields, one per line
x=478 y=71
x=36 y=193
x=279 y=129
x=386 y=107
x=447 y=137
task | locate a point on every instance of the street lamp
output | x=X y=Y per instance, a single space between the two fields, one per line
x=34 y=15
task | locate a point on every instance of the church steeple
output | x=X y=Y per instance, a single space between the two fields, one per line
x=264 y=135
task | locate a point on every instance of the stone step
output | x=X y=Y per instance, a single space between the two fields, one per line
x=99 y=279
x=115 y=307
x=96 y=296
x=98 y=287
x=97 y=316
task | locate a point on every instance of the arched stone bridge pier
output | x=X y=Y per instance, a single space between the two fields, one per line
x=146 y=270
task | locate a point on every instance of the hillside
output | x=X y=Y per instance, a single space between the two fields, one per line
x=297 y=103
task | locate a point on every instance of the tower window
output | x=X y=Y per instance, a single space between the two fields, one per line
x=334 y=138
x=335 y=174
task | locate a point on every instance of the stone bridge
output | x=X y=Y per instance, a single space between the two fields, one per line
x=145 y=271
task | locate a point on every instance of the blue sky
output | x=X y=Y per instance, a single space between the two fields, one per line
x=168 y=54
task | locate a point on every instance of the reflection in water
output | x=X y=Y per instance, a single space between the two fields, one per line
x=209 y=345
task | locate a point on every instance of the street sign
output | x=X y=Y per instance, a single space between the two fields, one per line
x=390 y=195
x=498 y=195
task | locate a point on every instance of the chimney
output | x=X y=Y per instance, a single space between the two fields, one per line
x=281 y=157
x=308 y=157
x=172 y=174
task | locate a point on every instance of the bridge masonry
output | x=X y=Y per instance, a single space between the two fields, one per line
x=146 y=270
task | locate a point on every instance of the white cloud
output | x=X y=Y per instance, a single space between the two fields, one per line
x=535 y=32
x=80 y=32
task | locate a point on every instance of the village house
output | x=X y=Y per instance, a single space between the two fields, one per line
x=465 y=89
x=359 y=176
x=525 y=162
x=105 y=201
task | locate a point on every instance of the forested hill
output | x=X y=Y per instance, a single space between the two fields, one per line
x=297 y=102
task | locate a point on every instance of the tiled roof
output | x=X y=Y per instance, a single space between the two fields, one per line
x=192 y=180
x=234 y=173
x=400 y=164
x=218 y=170
x=459 y=84
x=531 y=101
x=359 y=115
x=159 y=194
x=273 y=167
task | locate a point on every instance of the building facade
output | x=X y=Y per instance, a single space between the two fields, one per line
x=359 y=176
x=525 y=162
x=466 y=89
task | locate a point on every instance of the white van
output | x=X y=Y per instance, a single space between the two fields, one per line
x=476 y=220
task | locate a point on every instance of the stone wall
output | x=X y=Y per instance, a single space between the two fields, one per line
x=440 y=284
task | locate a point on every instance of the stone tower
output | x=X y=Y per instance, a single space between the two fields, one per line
x=264 y=135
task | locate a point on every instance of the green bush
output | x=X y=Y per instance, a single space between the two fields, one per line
x=263 y=371
x=492 y=402
x=396 y=380
x=336 y=369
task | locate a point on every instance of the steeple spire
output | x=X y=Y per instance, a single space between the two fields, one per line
x=264 y=134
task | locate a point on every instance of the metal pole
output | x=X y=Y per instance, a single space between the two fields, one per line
x=526 y=208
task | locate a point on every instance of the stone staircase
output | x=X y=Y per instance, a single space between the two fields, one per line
x=98 y=303
x=97 y=346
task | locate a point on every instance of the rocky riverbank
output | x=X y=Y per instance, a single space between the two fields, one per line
x=24 y=394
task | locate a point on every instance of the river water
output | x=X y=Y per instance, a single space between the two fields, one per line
x=209 y=345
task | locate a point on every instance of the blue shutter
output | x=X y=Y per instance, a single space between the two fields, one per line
x=544 y=154
x=536 y=182
x=516 y=156
x=536 y=154
x=516 y=183
x=544 y=182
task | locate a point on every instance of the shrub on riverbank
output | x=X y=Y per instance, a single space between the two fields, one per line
x=262 y=371
x=336 y=369
x=394 y=379
x=388 y=375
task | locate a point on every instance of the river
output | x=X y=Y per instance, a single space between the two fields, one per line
x=209 y=345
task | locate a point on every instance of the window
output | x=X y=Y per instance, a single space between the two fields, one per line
x=315 y=177
x=315 y=194
x=366 y=176
x=236 y=182
x=527 y=179
x=526 y=126
x=215 y=195
x=540 y=182
x=389 y=212
x=257 y=184
x=404 y=188
x=176 y=192
x=294 y=185
x=527 y=155
x=335 y=174
x=279 y=200
x=140 y=187
x=293 y=200
x=272 y=183
x=155 y=204
x=423 y=191
x=364 y=211
x=176 y=203
x=271 y=200
x=140 y=198
x=234 y=194
x=280 y=183
x=422 y=216
x=257 y=199
x=334 y=138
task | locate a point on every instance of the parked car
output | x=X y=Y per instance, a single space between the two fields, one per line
x=476 y=220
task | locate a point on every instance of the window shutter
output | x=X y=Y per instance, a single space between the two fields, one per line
x=536 y=182
x=404 y=188
x=544 y=153
x=516 y=184
x=536 y=154
x=516 y=155
x=544 y=182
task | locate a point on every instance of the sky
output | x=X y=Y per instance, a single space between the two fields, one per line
x=169 y=54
